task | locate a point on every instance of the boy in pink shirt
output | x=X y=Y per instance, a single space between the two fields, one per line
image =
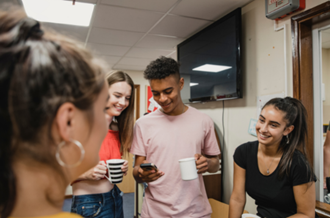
x=173 y=132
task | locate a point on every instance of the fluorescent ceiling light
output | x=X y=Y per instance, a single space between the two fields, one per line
x=57 y=11
x=193 y=84
x=211 y=68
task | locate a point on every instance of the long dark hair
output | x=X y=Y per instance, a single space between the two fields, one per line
x=126 y=118
x=39 y=71
x=296 y=115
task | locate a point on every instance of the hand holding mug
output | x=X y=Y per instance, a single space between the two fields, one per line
x=98 y=172
x=115 y=170
x=124 y=168
x=202 y=163
x=149 y=175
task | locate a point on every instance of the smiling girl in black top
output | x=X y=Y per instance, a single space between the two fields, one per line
x=274 y=170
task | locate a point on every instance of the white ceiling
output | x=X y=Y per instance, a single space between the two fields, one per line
x=129 y=34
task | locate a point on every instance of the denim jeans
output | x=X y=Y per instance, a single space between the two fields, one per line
x=109 y=204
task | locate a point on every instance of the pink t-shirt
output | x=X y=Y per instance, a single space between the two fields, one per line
x=163 y=140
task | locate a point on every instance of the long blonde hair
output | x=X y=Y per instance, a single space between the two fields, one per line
x=126 y=118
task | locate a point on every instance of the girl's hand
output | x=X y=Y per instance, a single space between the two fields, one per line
x=98 y=172
x=124 y=168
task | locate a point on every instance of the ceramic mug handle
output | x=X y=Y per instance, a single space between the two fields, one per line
x=327 y=199
x=109 y=178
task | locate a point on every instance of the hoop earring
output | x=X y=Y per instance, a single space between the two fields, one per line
x=287 y=139
x=58 y=157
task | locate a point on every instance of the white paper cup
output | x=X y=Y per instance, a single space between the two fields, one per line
x=188 y=168
x=115 y=175
x=249 y=215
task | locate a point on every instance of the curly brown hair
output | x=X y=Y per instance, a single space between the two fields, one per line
x=162 y=68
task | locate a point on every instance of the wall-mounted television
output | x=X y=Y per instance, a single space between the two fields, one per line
x=210 y=61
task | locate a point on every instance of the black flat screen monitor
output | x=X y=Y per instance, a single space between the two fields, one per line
x=217 y=46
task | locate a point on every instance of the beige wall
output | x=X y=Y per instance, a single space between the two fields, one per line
x=263 y=74
x=137 y=77
x=326 y=81
x=263 y=70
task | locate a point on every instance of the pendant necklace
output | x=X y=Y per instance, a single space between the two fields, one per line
x=270 y=165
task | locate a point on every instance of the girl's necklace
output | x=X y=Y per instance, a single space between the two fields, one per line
x=270 y=165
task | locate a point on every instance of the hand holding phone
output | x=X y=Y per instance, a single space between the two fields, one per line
x=148 y=172
x=148 y=167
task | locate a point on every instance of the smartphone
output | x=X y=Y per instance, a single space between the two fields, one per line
x=148 y=166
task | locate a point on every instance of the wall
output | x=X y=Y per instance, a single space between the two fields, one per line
x=326 y=82
x=263 y=74
x=137 y=77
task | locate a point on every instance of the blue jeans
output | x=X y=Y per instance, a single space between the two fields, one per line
x=109 y=204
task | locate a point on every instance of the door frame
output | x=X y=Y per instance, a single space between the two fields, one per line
x=302 y=63
x=304 y=81
x=137 y=116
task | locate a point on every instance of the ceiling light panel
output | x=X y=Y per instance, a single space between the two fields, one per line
x=62 y=12
x=86 y=1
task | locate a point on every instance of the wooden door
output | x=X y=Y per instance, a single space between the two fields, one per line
x=127 y=185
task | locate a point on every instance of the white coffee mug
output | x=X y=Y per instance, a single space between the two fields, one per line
x=188 y=168
x=327 y=198
x=249 y=215
x=115 y=174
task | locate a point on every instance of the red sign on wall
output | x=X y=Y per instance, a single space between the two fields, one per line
x=151 y=104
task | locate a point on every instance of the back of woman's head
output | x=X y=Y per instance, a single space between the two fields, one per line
x=126 y=118
x=39 y=71
x=296 y=115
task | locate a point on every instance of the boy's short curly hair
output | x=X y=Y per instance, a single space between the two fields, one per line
x=162 y=68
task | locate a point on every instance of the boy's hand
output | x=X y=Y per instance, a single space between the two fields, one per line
x=150 y=175
x=202 y=163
